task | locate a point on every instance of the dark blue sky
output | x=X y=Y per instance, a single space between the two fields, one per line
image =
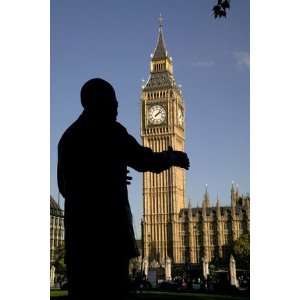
x=114 y=40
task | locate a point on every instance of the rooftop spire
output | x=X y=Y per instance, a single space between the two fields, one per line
x=206 y=196
x=160 y=50
x=160 y=19
x=232 y=187
x=218 y=206
x=218 y=200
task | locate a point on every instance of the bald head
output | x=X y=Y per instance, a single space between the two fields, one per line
x=98 y=96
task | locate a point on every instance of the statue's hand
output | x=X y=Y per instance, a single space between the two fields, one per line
x=178 y=158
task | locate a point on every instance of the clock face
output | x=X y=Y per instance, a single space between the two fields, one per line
x=156 y=114
x=180 y=117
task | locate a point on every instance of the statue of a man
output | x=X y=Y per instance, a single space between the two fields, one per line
x=93 y=156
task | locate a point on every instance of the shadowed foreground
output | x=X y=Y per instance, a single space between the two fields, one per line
x=155 y=295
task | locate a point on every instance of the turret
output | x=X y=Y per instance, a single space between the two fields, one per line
x=204 y=228
x=190 y=210
x=233 y=213
x=218 y=209
x=219 y=224
x=206 y=197
x=204 y=209
x=233 y=196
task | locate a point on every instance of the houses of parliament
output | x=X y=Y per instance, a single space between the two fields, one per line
x=170 y=228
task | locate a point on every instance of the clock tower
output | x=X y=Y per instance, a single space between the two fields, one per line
x=162 y=125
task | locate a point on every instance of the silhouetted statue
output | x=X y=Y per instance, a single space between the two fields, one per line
x=93 y=156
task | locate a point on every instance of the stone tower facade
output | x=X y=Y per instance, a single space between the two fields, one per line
x=162 y=125
x=170 y=230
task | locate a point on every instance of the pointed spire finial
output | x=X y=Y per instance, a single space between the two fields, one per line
x=160 y=19
x=218 y=206
x=206 y=191
x=206 y=195
x=232 y=186
x=160 y=51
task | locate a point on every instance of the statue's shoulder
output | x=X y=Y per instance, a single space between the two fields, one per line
x=120 y=129
x=71 y=133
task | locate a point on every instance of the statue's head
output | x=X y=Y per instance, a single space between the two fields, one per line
x=99 y=100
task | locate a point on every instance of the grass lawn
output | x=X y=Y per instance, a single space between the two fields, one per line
x=58 y=293
x=155 y=295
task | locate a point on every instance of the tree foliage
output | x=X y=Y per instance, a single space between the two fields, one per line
x=59 y=260
x=221 y=8
x=241 y=251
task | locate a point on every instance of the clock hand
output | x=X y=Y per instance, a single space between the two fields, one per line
x=157 y=114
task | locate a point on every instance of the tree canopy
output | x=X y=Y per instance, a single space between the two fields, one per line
x=221 y=8
x=241 y=251
x=59 y=261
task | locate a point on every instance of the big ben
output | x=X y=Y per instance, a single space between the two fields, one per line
x=162 y=126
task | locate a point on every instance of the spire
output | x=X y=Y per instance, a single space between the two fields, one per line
x=218 y=206
x=233 y=195
x=190 y=208
x=218 y=200
x=204 y=209
x=160 y=50
x=232 y=186
x=206 y=197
